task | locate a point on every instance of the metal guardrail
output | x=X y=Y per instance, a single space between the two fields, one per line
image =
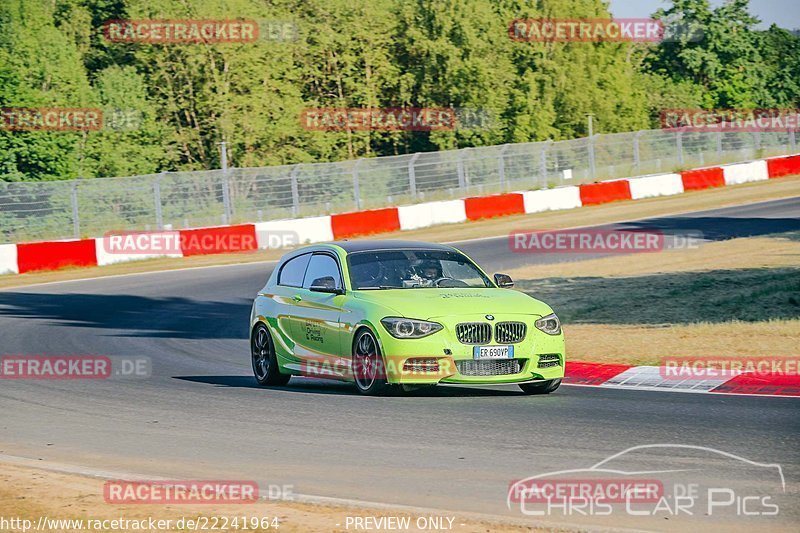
x=88 y=208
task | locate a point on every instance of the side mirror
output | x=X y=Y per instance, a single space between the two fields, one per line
x=326 y=284
x=503 y=281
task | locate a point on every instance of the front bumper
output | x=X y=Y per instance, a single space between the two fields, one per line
x=441 y=358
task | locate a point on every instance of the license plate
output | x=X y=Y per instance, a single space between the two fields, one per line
x=492 y=352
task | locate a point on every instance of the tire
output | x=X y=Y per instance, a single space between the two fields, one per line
x=264 y=360
x=544 y=387
x=369 y=372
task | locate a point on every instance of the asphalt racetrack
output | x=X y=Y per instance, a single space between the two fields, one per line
x=201 y=414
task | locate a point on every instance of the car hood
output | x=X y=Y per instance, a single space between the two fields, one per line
x=432 y=303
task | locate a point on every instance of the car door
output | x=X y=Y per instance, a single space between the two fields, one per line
x=317 y=329
x=287 y=312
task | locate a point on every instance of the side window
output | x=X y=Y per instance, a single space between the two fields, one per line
x=293 y=270
x=322 y=266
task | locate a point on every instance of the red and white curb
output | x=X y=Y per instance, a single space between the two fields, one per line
x=613 y=375
x=28 y=257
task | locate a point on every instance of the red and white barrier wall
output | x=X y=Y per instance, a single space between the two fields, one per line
x=431 y=213
x=552 y=199
x=658 y=185
x=8 y=259
x=28 y=257
x=312 y=229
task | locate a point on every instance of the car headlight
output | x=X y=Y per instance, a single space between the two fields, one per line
x=408 y=328
x=550 y=324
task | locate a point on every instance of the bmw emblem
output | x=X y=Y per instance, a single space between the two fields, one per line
x=489 y=317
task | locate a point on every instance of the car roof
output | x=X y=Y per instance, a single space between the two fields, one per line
x=367 y=245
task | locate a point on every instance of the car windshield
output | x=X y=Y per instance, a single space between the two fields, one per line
x=413 y=269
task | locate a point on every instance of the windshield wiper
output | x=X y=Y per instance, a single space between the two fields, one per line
x=381 y=287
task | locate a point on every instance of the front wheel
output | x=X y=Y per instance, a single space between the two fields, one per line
x=369 y=372
x=264 y=360
x=543 y=387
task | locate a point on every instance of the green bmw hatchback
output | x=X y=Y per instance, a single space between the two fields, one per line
x=400 y=313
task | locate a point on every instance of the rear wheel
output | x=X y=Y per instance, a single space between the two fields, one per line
x=263 y=358
x=543 y=387
x=369 y=371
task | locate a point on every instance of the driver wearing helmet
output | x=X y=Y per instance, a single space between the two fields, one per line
x=428 y=271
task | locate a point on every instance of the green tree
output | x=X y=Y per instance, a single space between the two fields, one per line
x=39 y=67
x=780 y=50
x=725 y=60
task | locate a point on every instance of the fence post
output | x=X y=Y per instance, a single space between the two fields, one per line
x=226 y=198
x=226 y=192
x=76 y=223
x=356 y=190
x=719 y=143
x=501 y=165
x=679 y=141
x=412 y=175
x=757 y=136
x=295 y=192
x=636 y=159
x=543 y=163
x=792 y=140
x=157 y=200
x=590 y=118
x=462 y=178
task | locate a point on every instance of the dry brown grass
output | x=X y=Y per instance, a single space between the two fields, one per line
x=754 y=252
x=647 y=345
x=739 y=297
x=30 y=493
x=601 y=214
